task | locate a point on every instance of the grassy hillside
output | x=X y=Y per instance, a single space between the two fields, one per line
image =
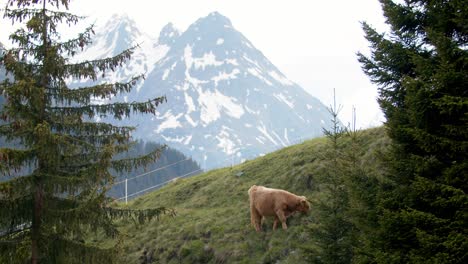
x=212 y=224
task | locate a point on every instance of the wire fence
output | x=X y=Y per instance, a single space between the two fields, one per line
x=157 y=185
x=152 y=171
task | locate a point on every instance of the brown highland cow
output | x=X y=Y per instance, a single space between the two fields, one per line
x=274 y=202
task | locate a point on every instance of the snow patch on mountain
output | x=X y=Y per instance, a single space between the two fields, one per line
x=280 y=78
x=223 y=76
x=265 y=133
x=189 y=61
x=208 y=59
x=190 y=121
x=283 y=99
x=225 y=141
x=176 y=139
x=257 y=74
x=189 y=102
x=231 y=61
x=214 y=103
x=169 y=121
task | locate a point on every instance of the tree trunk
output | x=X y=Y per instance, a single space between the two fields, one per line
x=36 y=223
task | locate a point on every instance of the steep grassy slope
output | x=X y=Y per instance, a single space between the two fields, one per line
x=213 y=221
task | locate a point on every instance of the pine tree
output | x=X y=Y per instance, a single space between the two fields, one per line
x=421 y=68
x=46 y=216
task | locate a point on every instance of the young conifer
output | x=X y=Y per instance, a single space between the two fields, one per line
x=46 y=215
x=333 y=234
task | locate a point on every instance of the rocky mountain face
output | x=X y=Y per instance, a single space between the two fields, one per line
x=226 y=102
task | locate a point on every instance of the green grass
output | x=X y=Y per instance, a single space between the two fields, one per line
x=212 y=224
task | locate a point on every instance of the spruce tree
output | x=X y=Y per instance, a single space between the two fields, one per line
x=46 y=215
x=334 y=232
x=362 y=184
x=421 y=68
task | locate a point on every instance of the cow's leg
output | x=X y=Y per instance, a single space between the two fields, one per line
x=275 y=224
x=255 y=218
x=258 y=226
x=282 y=218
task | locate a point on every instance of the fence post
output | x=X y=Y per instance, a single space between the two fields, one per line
x=204 y=161
x=126 y=191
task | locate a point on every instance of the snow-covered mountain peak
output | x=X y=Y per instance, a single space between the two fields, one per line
x=168 y=34
x=120 y=32
x=214 y=20
x=118 y=20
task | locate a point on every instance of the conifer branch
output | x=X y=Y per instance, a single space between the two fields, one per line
x=139 y=216
x=18 y=185
x=141 y=161
x=9 y=241
x=84 y=210
x=18 y=15
x=68 y=47
x=104 y=139
x=27 y=3
x=15 y=130
x=14 y=159
x=90 y=69
x=68 y=183
x=83 y=70
x=79 y=252
x=26 y=42
x=15 y=64
x=83 y=95
x=91 y=159
x=90 y=128
x=15 y=212
x=118 y=110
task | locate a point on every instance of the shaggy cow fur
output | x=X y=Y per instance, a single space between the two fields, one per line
x=274 y=202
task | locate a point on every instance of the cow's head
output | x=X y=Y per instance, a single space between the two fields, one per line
x=302 y=205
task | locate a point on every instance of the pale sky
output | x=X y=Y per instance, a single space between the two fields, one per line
x=313 y=42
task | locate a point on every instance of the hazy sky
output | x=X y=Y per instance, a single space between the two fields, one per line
x=313 y=42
